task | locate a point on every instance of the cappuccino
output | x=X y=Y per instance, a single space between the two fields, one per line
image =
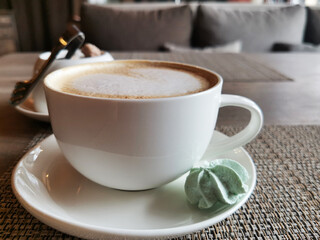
x=133 y=80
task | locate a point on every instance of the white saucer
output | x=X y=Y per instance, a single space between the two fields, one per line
x=27 y=109
x=51 y=190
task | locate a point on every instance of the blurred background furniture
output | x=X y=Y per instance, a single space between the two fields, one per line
x=151 y=25
x=200 y=26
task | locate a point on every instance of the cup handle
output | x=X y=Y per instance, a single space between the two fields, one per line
x=244 y=136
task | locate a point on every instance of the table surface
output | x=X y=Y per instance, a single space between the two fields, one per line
x=284 y=103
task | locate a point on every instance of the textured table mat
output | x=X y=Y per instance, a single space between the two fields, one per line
x=232 y=67
x=285 y=203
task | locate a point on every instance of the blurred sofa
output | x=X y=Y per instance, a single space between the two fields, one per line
x=209 y=27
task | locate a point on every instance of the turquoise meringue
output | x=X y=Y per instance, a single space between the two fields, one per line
x=219 y=183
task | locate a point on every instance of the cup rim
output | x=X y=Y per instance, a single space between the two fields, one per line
x=219 y=81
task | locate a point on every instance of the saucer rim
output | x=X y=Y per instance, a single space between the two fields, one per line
x=57 y=222
x=40 y=116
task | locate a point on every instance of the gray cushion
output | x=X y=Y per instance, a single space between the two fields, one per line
x=233 y=47
x=302 y=47
x=257 y=29
x=312 y=34
x=123 y=29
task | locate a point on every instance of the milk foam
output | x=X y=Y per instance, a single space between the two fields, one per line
x=137 y=82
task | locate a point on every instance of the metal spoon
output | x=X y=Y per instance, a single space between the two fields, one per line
x=72 y=39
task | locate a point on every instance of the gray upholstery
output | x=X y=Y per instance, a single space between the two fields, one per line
x=257 y=29
x=302 y=47
x=234 y=47
x=148 y=26
x=143 y=29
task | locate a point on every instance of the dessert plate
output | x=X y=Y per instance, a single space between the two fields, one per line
x=27 y=109
x=51 y=190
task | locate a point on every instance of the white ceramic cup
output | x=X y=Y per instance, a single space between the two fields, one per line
x=38 y=95
x=137 y=144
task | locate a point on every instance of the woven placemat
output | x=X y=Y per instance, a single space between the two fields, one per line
x=285 y=203
x=231 y=66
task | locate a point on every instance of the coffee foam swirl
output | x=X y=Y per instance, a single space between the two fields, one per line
x=133 y=81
